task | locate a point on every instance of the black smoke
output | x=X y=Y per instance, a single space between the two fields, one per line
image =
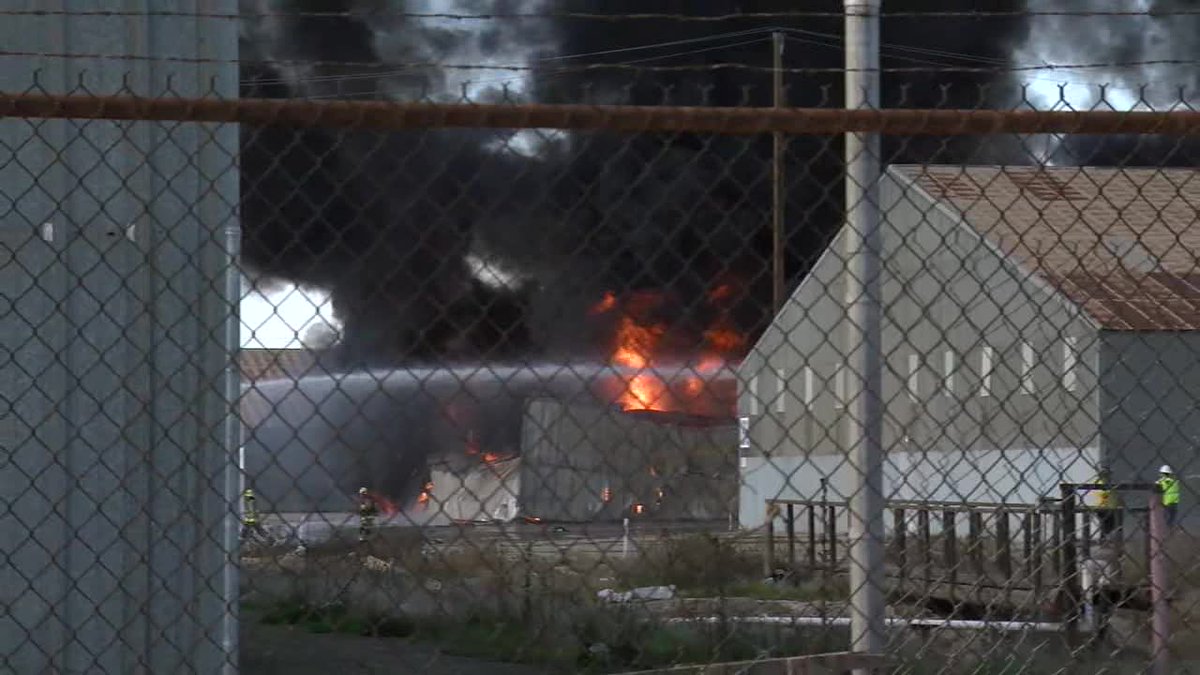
x=398 y=226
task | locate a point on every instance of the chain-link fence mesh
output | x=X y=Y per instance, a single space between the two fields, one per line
x=338 y=356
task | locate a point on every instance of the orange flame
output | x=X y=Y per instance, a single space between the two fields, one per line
x=722 y=292
x=639 y=340
x=607 y=304
x=426 y=493
x=723 y=339
x=635 y=346
x=638 y=509
x=386 y=506
x=491 y=457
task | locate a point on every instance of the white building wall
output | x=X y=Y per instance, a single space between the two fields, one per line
x=1005 y=429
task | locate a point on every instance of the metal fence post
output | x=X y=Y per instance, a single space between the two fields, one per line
x=769 y=551
x=864 y=441
x=1070 y=562
x=1158 y=583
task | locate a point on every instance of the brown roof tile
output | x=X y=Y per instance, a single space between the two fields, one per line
x=1123 y=244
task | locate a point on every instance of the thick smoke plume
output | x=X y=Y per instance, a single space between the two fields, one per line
x=476 y=244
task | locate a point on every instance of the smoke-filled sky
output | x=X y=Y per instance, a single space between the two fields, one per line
x=478 y=244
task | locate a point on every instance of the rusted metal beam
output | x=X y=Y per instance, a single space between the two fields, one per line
x=395 y=116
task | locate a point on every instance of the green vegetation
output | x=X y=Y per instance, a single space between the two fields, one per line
x=589 y=640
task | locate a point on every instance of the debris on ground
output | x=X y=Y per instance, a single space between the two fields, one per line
x=642 y=593
x=377 y=564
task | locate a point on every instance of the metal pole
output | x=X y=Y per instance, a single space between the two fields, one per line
x=234 y=478
x=862 y=255
x=1158 y=583
x=777 y=194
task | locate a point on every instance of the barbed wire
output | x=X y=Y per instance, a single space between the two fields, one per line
x=593 y=16
x=1110 y=65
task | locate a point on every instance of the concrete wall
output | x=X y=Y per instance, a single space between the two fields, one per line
x=945 y=291
x=571 y=452
x=115 y=528
x=1150 y=384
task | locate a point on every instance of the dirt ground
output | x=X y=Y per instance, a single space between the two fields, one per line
x=284 y=650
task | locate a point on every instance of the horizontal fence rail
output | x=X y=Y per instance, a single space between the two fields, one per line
x=383 y=116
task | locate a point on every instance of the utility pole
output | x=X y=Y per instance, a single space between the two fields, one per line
x=777 y=193
x=863 y=341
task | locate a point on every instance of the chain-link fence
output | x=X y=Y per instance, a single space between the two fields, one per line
x=311 y=368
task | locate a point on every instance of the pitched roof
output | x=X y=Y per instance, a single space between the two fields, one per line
x=1122 y=244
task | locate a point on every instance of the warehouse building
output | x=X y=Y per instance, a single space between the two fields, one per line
x=1038 y=324
x=582 y=462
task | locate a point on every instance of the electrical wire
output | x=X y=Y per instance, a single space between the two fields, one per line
x=549 y=74
x=1110 y=65
x=549 y=59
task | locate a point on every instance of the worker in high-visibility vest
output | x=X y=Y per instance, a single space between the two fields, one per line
x=1107 y=504
x=1168 y=485
x=366 y=514
x=250 y=522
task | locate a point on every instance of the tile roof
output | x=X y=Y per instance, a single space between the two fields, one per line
x=1122 y=244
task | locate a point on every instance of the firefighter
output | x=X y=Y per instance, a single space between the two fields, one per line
x=366 y=514
x=251 y=525
x=1107 y=505
x=1168 y=484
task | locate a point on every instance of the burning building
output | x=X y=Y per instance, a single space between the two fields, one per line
x=462 y=437
x=582 y=462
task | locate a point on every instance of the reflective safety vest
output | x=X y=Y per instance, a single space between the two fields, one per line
x=1170 y=490
x=250 y=513
x=1105 y=499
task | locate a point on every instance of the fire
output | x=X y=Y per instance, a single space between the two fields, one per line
x=386 y=506
x=492 y=457
x=721 y=292
x=638 y=509
x=426 y=493
x=646 y=338
x=722 y=338
x=635 y=346
x=607 y=304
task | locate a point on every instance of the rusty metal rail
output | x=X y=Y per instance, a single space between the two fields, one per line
x=395 y=116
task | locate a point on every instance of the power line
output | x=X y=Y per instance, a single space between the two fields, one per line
x=656 y=45
x=555 y=73
x=1112 y=65
x=837 y=44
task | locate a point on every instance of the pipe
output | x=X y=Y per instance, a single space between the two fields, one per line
x=894 y=622
x=395 y=116
x=864 y=425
